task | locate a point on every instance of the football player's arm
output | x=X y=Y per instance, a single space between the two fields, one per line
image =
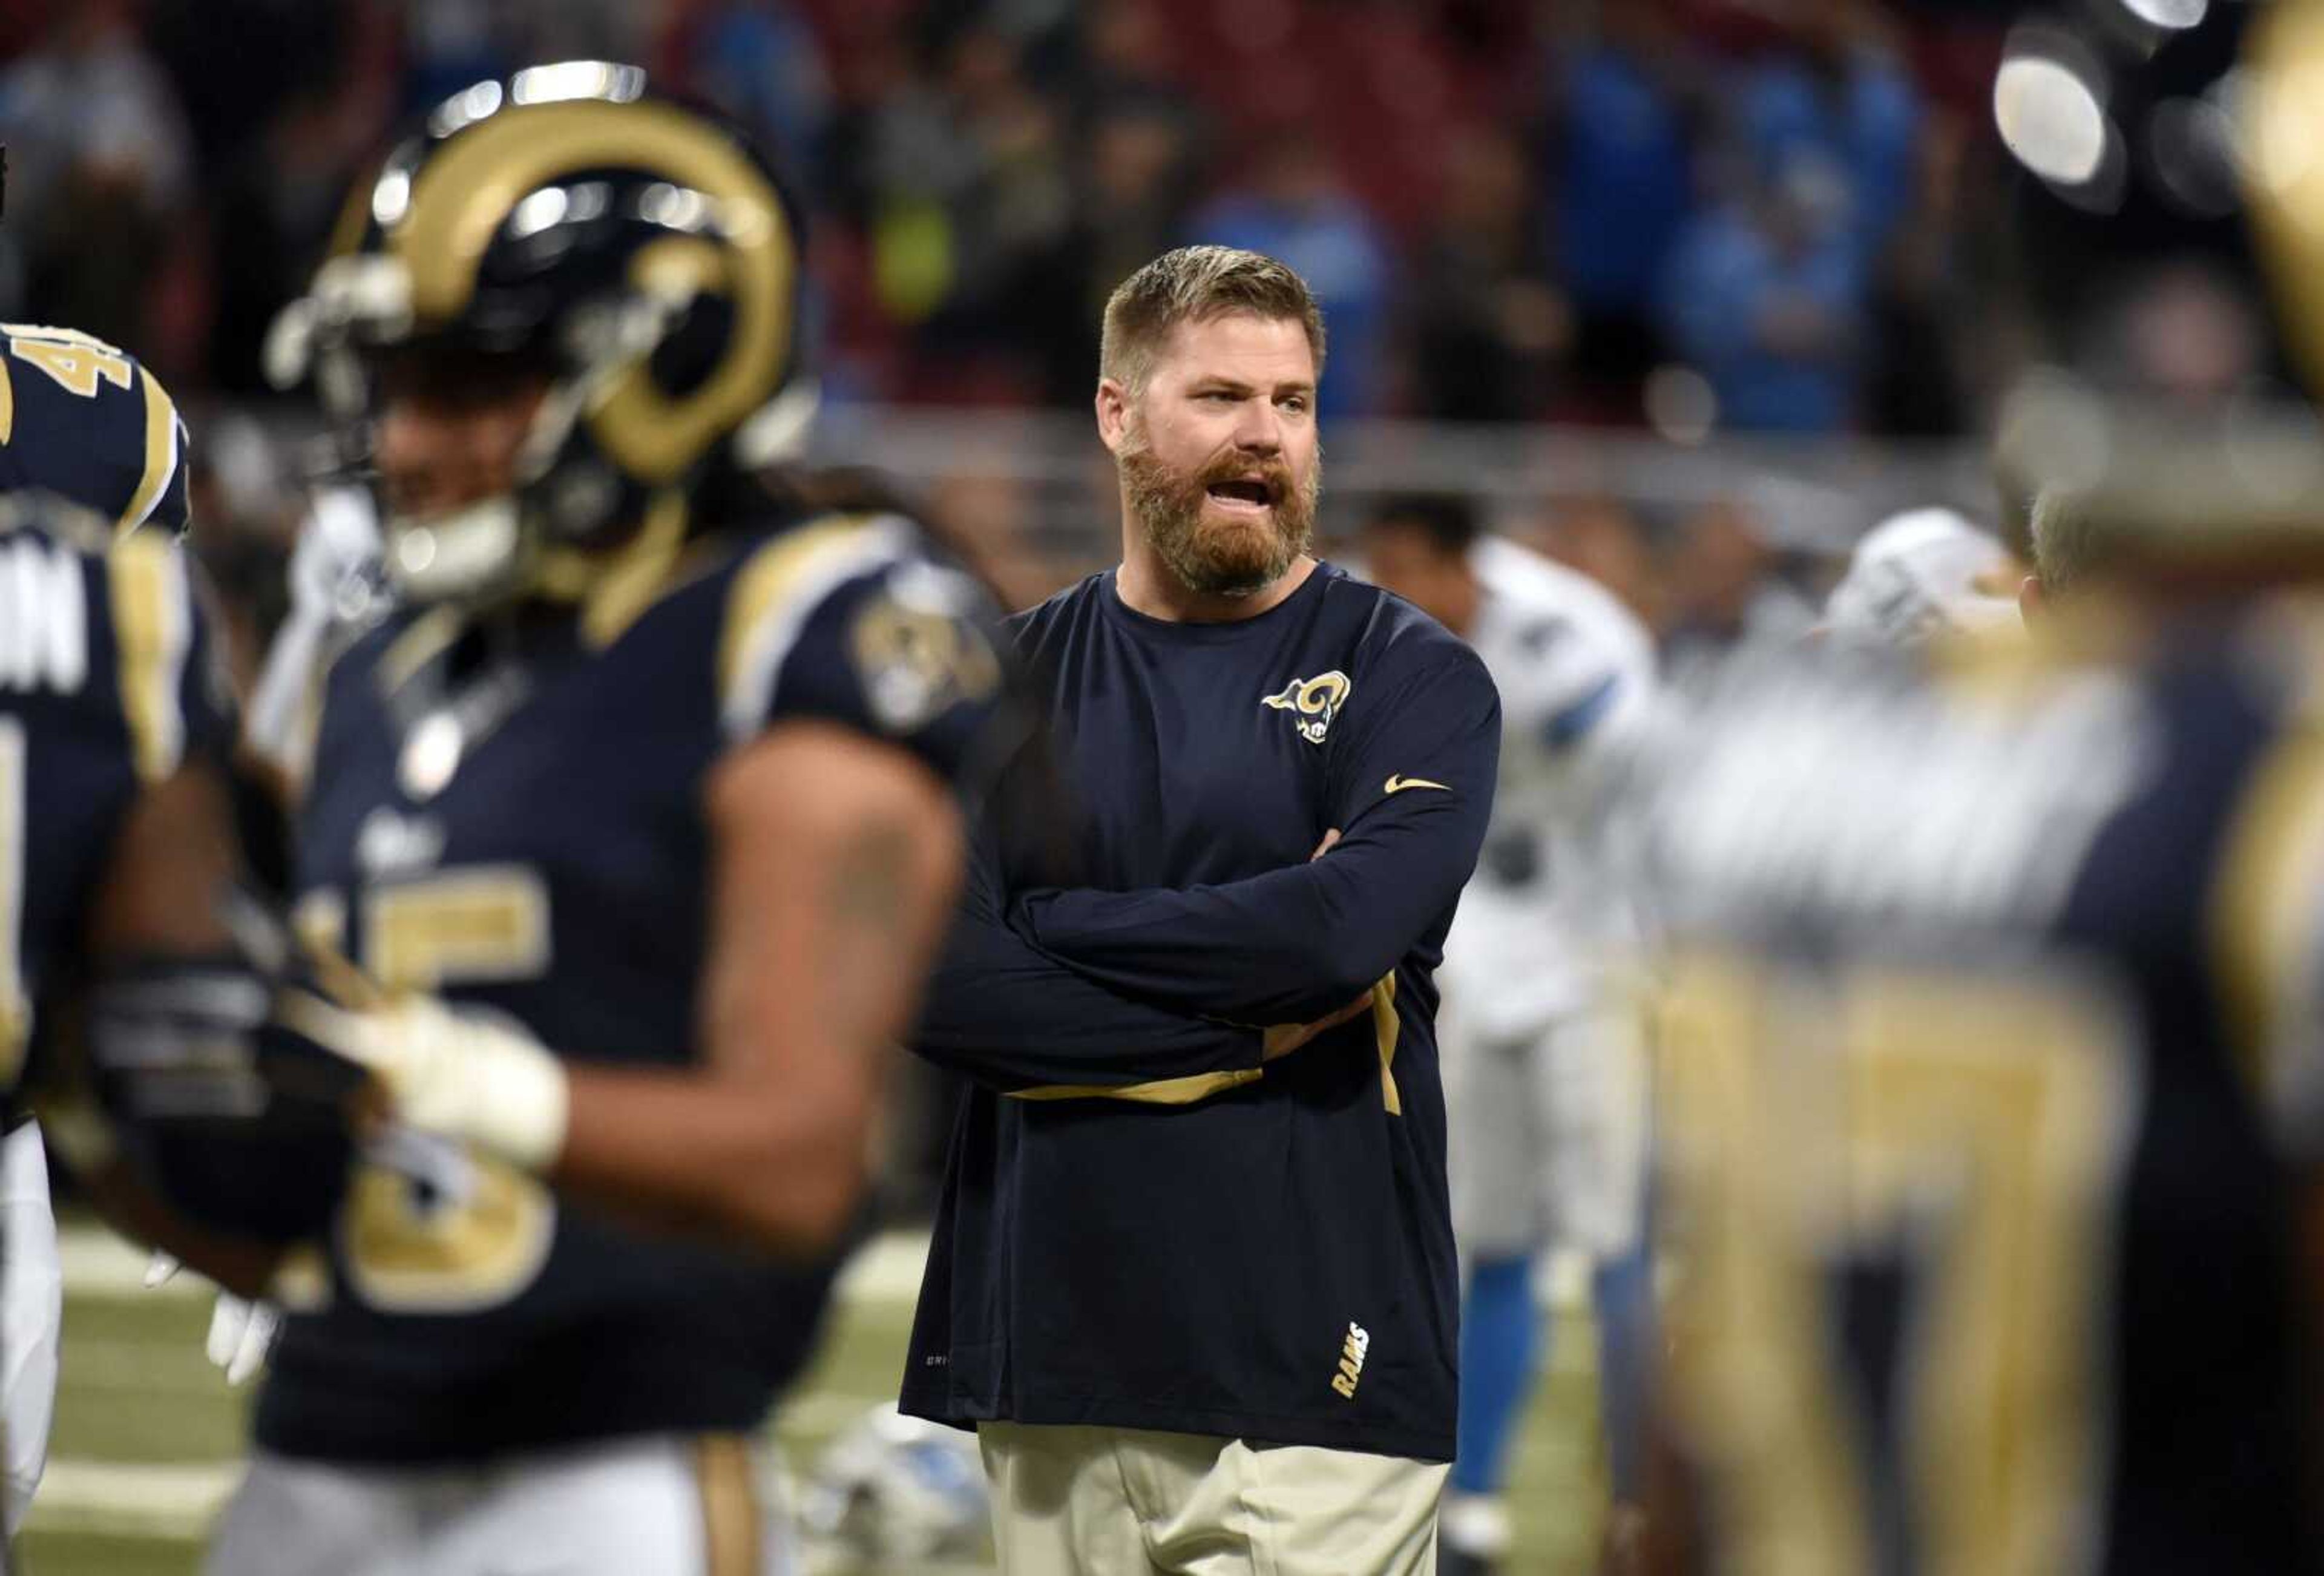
x=174 y=854
x=1414 y=793
x=826 y=909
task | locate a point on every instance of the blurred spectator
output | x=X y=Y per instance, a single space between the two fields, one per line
x=761 y=63
x=1840 y=95
x=99 y=171
x=1765 y=298
x=994 y=166
x=1604 y=540
x=1125 y=53
x=1131 y=190
x=1621 y=169
x=283 y=193
x=1488 y=328
x=1293 y=207
x=969 y=192
x=1914 y=386
x=1725 y=586
x=450 y=43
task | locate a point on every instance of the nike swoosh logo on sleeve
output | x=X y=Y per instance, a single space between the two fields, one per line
x=1397 y=784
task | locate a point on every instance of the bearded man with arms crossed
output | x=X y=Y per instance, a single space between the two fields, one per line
x=1197 y=1295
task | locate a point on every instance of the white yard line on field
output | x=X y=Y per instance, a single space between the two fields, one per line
x=153 y=1499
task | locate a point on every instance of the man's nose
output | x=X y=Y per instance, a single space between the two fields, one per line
x=1258 y=428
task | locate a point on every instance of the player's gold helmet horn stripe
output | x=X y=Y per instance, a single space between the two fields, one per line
x=467 y=192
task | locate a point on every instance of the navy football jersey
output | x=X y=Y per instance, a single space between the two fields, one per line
x=107 y=682
x=510 y=813
x=87 y=421
x=1986 y=1254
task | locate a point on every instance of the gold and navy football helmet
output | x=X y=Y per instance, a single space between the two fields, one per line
x=2166 y=218
x=640 y=256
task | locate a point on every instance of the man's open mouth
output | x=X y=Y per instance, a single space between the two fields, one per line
x=1244 y=492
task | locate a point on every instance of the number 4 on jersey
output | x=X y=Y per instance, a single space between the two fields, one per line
x=76 y=365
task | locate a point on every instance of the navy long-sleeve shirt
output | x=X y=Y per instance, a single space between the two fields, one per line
x=1142 y=1225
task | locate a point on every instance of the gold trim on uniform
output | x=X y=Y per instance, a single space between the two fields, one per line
x=8 y=402
x=460 y=1253
x=472 y=923
x=162 y=457
x=1386 y=1028
x=774 y=594
x=420 y=643
x=2263 y=912
x=466 y=190
x=1185 y=1090
x=730 y=1505
x=1804 y=1114
x=616 y=588
x=147 y=586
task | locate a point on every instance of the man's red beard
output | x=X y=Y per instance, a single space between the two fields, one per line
x=1214 y=555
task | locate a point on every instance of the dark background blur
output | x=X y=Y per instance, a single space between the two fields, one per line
x=1711 y=253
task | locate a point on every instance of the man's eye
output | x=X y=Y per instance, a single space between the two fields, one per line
x=1218 y=397
x=1293 y=402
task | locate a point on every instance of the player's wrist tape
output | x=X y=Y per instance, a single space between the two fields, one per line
x=463 y=1076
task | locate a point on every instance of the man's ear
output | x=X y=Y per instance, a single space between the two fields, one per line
x=1112 y=413
x=2032 y=602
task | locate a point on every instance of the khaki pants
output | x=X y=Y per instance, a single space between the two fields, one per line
x=1132 y=1502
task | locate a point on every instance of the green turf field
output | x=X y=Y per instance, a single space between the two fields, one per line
x=147 y=1431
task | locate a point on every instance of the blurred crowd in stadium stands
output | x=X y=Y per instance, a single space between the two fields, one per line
x=1512 y=209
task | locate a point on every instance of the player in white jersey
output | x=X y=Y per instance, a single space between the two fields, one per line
x=1923 y=574
x=1545 y=1084
x=336 y=586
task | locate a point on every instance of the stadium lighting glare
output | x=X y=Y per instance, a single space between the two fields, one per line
x=2050 y=118
x=466 y=108
x=537 y=212
x=570 y=80
x=2176 y=14
x=391 y=199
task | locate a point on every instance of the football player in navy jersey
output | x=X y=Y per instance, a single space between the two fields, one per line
x=623 y=845
x=1990 y=1058
x=83 y=423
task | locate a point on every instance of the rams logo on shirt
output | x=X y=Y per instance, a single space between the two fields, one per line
x=1314 y=701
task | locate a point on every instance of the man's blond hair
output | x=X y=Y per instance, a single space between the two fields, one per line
x=1191 y=285
x=2071 y=548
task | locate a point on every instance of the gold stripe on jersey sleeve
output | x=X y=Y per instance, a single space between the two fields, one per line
x=162 y=457
x=147 y=582
x=1386 y=1028
x=730 y=1505
x=8 y=402
x=1185 y=1090
x=774 y=593
x=2266 y=909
